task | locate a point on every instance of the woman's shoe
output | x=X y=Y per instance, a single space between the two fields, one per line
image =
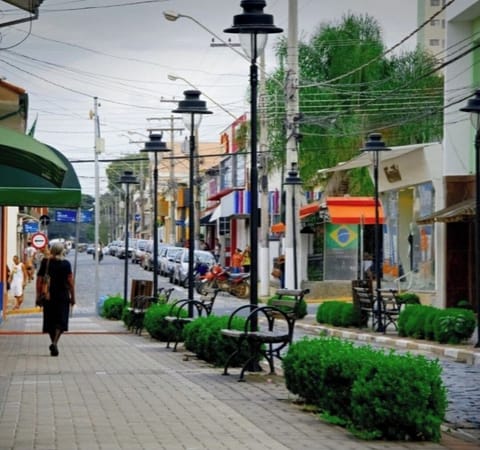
x=53 y=350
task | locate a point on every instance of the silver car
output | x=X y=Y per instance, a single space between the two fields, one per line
x=180 y=269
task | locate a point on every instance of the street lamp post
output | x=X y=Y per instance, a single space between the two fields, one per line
x=294 y=181
x=254 y=26
x=190 y=107
x=473 y=107
x=376 y=145
x=127 y=179
x=155 y=145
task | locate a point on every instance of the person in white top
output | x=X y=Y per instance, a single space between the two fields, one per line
x=18 y=280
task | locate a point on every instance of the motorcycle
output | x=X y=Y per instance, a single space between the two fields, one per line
x=219 y=278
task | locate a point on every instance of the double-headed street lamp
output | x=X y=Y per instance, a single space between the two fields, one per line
x=376 y=145
x=127 y=179
x=155 y=145
x=253 y=26
x=190 y=107
x=473 y=107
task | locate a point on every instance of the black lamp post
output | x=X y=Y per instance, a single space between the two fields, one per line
x=294 y=180
x=376 y=145
x=190 y=107
x=127 y=179
x=253 y=25
x=155 y=146
x=473 y=107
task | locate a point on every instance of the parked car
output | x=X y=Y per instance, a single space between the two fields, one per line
x=164 y=255
x=180 y=266
x=120 y=253
x=139 y=250
x=90 y=249
x=113 y=247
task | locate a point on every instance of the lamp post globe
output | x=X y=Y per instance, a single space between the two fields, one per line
x=191 y=107
x=155 y=145
x=473 y=107
x=127 y=179
x=254 y=25
x=375 y=145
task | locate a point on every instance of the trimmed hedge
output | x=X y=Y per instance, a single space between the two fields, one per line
x=156 y=325
x=113 y=308
x=450 y=325
x=204 y=338
x=338 y=314
x=373 y=393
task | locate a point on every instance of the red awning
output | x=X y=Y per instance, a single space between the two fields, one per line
x=308 y=210
x=354 y=210
x=218 y=195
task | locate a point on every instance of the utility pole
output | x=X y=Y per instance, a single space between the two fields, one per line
x=292 y=107
x=171 y=129
x=99 y=145
x=264 y=253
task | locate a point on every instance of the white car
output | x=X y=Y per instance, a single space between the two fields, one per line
x=180 y=267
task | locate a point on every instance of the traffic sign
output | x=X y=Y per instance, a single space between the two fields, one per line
x=39 y=240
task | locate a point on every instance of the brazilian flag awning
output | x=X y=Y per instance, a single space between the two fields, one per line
x=35 y=174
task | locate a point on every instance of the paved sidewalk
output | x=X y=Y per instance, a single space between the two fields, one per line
x=114 y=390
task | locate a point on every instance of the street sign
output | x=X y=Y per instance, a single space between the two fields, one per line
x=30 y=227
x=137 y=217
x=39 y=240
x=64 y=215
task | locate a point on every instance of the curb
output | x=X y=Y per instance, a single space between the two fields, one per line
x=461 y=355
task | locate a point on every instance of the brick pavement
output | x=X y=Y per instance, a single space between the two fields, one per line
x=113 y=390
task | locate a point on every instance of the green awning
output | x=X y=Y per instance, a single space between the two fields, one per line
x=35 y=174
x=23 y=152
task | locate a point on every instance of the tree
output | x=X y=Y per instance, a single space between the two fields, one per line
x=350 y=87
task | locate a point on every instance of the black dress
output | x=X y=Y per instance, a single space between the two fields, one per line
x=56 y=311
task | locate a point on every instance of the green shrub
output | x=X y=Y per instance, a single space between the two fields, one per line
x=399 y=397
x=338 y=313
x=453 y=325
x=407 y=318
x=113 y=308
x=376 y=394
x=127 y=317
x=300 y=308
x=408 y=298
x=204 y=338
x=156 y=325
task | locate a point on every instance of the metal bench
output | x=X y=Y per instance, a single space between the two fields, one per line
x=391 y=308
x=272 y=335
x=139 y=306
x=203 y=305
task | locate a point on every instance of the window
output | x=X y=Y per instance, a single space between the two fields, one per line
x=434 y=22
x=434 y=42
x=434 y=2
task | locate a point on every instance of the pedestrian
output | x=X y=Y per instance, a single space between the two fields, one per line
x=217 y=250
x=246 y=259
x=18 y=281
x=237 y=261
x=56 y=311
x=29 y=260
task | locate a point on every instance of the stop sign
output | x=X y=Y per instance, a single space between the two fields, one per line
x=39 y=240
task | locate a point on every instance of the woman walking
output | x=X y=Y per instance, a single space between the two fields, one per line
x=56 y=311
x=18 y=281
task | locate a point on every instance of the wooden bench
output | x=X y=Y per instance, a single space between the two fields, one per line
x=198 y=307
x=272 y=335
x=365 y=303
x=391 y=308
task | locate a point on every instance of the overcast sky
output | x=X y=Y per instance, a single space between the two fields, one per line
x=122 y=51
